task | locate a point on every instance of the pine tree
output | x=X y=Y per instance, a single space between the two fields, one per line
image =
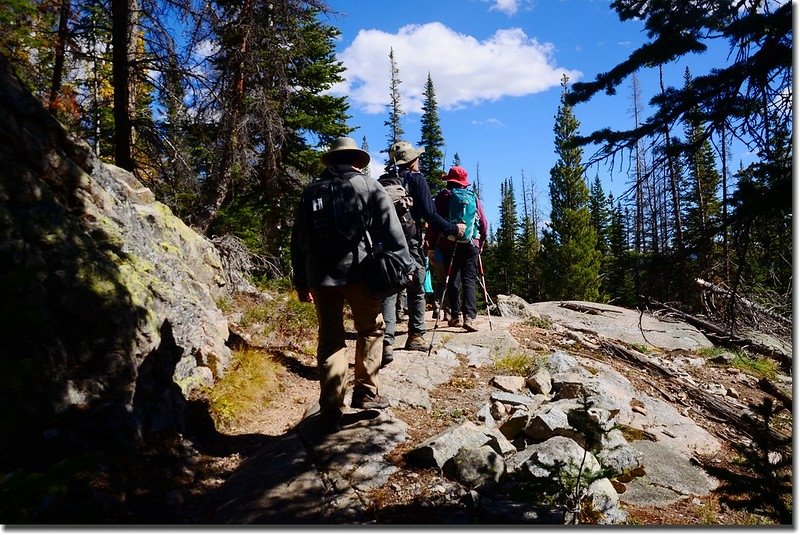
x=365 y=148
x=456 y=159
x=503 y=272
x=618 y=285
x=599 y=216
x=432 y=160
x=395 y=110
x=529 y=285
x=762 y=223
x=570 y=260
x=701 y=200
x=760 y=68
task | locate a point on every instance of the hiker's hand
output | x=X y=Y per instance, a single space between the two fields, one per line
x=305 y=296
x=461 y=229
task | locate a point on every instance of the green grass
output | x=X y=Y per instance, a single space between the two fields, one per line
x=250 y=384
x=517 y=364
x=761 y=367
x=711 y=352
x=758 y=366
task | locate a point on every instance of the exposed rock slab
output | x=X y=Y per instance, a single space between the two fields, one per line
x=669 y=476
x=623 y=324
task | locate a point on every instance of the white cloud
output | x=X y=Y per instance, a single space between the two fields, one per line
x=465 y=71
x=509 y=7
x=205 y=48
x=492 y=122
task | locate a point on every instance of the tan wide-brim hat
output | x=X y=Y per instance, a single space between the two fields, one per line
x=346 y=145
x=403 y=152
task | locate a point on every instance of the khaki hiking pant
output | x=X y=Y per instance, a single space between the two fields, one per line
x=332 y=358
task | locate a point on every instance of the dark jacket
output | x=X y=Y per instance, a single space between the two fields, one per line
x=311 y=269
x=423 y=209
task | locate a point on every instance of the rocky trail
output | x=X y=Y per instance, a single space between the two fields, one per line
x=465 y=442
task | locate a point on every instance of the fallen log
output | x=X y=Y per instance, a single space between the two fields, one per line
x=732 y=412
x=745 y=302
x=586 y=309
x=773 y=390
x=722 y=337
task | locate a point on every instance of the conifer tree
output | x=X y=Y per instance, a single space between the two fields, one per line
x=456 y=159
x=529 y=284
x=762 y=222
x=701 y=200
x=598 y=210
x=431 y=161
x=759 y=68
x=570 y=260
x=365 y=148
x=503 y=269
x=395 y=109
x=618 y=284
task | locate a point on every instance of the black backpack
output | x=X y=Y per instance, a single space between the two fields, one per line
x=333 y=213
x=395 y=187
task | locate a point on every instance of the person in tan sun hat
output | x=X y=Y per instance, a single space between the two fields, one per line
x=404 y=162
x=326 y=250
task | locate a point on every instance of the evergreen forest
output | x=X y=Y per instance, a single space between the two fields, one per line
x=221 y=109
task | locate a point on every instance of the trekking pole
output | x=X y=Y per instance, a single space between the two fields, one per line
x=444 y=293
x=485 y=291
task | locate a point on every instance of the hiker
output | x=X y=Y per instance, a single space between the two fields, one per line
x=327 y=247
x=437 y=273
x=406 y=159
x=458 y=203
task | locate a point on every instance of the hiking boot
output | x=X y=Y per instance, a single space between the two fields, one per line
x=364 y=399
x=455 y=321
x=388 y=356
x=468 y=325
x=416 y=342
x=329 y=422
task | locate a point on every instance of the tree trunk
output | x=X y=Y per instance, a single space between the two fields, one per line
x=218 y=183
x=121 y=74
x=61 y=45
x=725 y=252
x=683 y=282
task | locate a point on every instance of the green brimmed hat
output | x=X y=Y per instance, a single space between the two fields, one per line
x=403 y=152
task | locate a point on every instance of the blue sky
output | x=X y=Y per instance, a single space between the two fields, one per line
x=496 y=66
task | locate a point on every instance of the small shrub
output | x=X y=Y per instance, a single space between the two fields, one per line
x=224 y=304
x=250 y=384
x=517 y=364
x=463 y=383
x=542 y=323
x=279 y=285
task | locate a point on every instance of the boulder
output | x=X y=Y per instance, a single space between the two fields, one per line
x=508 y=383
x=512 y=306
x=516 y=422
x=436 y=451
x=109 y=300
x=476 y=467
x=605 y=502
x=556 y=460
x=552 y=421
x=540 y=382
